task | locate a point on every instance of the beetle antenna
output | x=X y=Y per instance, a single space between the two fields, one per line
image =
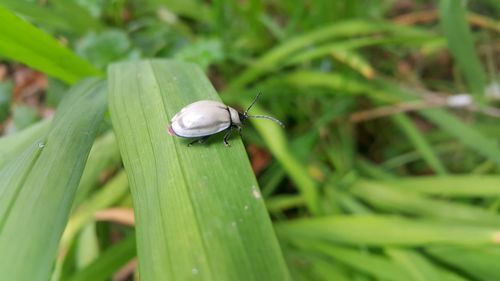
x=254 y=101
x=268 y=117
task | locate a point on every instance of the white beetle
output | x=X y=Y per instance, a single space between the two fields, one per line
x=205 y=118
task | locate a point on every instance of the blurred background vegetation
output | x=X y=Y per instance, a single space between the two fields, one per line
x=389 y=166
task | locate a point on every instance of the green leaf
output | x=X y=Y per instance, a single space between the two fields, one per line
x=23 y=116
x=417 y=266
x=277 y=142
x=103 y=155
x=27 y=44
x=108 y=262
x=420 y=143
x=376 y=265
x=105 y=47
x=466 y=134
x=387 y=230
x=272 y=59
x=275 y=57
x=114 y=190
x=203 y=52
x=452 y=186
x=407 y=202
x=87 y=246
x=13 y=145
x=479 y=262
x=455 y=26
x=199 y=212
x=54 y=15
x=341 y=84
x=108 y=195
x=37 y=189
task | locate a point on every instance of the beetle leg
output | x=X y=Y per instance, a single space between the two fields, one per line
x=227 y=135
x=200 y=140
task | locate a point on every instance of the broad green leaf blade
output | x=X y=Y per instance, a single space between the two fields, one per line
x=199 y=212
x=41 y=195
x=25 y=43
x=456 y=29
x=54 y=15
x=387 y=230
x=15 y=144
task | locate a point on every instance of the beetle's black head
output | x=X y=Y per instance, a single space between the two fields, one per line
x=243 y=116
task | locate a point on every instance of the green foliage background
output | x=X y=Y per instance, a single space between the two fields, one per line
x=388 y=168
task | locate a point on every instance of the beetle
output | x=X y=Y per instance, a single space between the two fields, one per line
x=205 y=118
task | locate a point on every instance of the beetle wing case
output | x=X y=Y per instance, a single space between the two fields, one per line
x=201 y=118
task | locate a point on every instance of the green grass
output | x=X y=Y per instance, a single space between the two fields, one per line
x=410 y=193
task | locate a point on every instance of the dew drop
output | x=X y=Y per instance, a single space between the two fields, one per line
x=256 y=193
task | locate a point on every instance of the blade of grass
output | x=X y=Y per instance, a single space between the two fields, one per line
x=199 y=212
x=277 y=55
x=417 y=266
x=479 y=262
x=108 y=262
x=87 y=248
x=375 y=265
x=407 y=202
x=385 y=91
x=319 y=267
x=452 y=186
x=420 y=143
x=355 y=43
x=465 y=133
x=103 y=155
x=379 y=230
x=455 y=26
x=372 y=170
x=108 y=195
x=32 y=225
x=282 y=202
x=339 y=83
x=354 y=61
x=25 y=43
x=276 y=140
